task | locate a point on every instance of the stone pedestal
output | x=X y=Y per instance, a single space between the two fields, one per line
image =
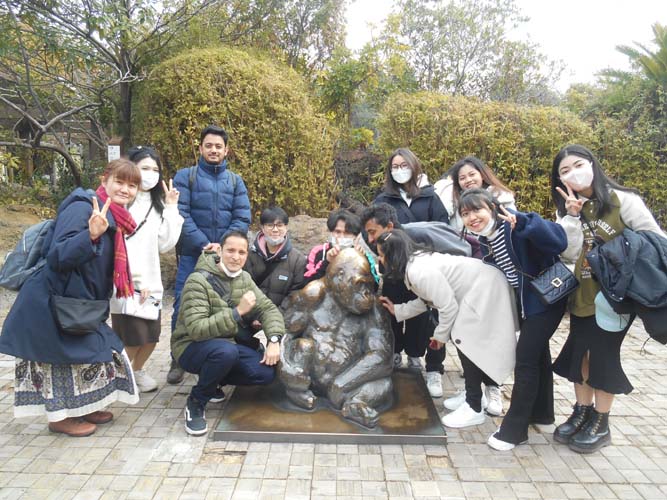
x=264 y=414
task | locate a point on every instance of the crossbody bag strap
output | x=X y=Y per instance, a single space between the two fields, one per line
x=141 y=223
x=218 y=287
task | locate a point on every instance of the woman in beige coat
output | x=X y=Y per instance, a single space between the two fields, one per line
x=476 y=309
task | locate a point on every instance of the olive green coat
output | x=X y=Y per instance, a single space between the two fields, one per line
x=205 y=315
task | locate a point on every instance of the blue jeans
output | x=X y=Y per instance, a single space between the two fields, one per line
x=186 y=265
x=221 y=362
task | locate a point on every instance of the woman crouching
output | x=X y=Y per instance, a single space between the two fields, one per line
x=475 y=309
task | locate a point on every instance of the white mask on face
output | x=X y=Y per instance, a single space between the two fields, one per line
x=342 y=242
x=228 y=272
x=401 y=176
x=274 y=242
x=488 y=229
x=579 y=178
x=149 y=179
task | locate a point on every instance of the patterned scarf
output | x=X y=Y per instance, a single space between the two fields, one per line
x=122 y=279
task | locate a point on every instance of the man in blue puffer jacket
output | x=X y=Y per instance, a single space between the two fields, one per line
x=213 y=201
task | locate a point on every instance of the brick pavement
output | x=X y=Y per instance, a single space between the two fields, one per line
x=145 y=453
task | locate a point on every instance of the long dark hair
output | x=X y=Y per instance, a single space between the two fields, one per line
x=398 y=248
x=138 y=153
x=412 y=186
x=488 y=177
x=601 y=183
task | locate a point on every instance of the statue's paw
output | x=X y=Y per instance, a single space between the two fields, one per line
x=303 y=399
x=361 y=413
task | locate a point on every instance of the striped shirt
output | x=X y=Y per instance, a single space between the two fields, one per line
x=501 y=256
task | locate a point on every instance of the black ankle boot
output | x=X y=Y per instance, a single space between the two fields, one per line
x=573 y=424
x=594 y=435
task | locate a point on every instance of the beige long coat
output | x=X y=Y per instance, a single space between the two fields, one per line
x=475 y=304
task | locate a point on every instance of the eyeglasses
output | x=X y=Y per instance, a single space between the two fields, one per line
x=402 y=166
x=275 y=225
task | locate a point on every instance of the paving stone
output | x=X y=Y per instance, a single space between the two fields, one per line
x=145 y=453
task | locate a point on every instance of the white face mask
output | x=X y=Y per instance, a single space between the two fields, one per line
x=488 y=229
x=149 y=179
x=228 y=272
x=342 y=242
x=401 y=176
x=579 y=178
x=274 y=242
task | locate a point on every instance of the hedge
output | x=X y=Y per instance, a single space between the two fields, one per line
x=280 y=146
x=517 y=142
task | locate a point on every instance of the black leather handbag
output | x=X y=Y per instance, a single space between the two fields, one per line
x=554 y=283
x=76 y=316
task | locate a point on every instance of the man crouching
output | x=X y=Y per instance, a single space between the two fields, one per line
x=212 y=338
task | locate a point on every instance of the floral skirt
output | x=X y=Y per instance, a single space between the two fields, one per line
x=62 y=391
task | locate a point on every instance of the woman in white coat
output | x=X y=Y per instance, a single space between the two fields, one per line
x=136 y=319
x=476 y=310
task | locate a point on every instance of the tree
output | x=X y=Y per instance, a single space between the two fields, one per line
x=654 y=64
x=48 y=91
x=461 y=47
x=302 y=33
x=119 y=37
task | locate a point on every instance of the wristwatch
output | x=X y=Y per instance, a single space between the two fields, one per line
x=274 y=339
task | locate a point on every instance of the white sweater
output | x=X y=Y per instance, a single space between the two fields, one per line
x=157 y=235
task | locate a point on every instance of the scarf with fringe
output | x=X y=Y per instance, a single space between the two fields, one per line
x=122 y=278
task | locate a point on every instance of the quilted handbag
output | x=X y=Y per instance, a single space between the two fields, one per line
x=554 y=283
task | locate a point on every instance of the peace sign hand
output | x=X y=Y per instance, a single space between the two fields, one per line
x=98 y=223
x=509 y=217
x=573 y=205
x=171 y=194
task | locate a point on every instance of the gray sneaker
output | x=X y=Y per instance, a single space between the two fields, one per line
x=176 y=373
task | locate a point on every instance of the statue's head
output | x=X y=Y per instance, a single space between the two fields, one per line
x=349 y=280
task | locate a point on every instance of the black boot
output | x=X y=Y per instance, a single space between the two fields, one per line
x=594 y=435
x=573 y=424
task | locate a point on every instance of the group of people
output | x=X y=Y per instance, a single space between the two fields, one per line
x=452 y=262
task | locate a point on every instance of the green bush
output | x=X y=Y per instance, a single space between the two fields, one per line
x=517 y=142
x=280 y=146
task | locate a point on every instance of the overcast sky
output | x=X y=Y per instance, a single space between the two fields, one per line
x=581 y=33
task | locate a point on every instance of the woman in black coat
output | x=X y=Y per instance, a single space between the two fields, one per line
x=72 y=378
x=406 y=188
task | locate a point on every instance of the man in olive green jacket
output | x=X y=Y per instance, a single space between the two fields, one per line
x=212 y=338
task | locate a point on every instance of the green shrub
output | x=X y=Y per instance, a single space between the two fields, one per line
x=280 y=146
x=518 y=143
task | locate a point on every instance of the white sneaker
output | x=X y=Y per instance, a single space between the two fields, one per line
x=144 y=381
x=464 y=416
x=495 y=398
x=414 y=363
x=455 y=402
x=500 y=445
x=398 y=360
x=434 y=384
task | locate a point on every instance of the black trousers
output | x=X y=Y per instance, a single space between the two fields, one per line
x=533 y=392
x=474 y=377
x=414 y=336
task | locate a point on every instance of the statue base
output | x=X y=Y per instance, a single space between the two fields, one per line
x=263 y=413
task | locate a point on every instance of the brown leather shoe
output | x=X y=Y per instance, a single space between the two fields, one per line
x=99 y=417
x=74 y=427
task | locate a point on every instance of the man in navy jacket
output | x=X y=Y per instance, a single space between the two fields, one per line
x=213 y=201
